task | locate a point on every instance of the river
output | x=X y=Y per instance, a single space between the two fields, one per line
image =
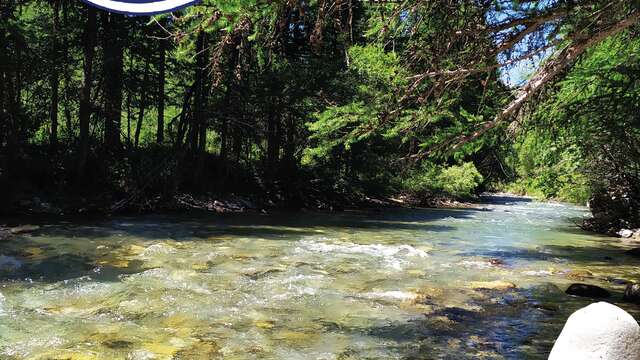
x=387 y=284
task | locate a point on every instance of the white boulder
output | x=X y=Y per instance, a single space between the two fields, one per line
x=627 y=233
x=599 y=331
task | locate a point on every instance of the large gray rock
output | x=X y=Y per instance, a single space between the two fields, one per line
x=599 y=331
x=632 y=293
x=586 y=290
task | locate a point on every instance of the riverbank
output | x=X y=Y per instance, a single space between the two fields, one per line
x=110 y=204
x=66 y=206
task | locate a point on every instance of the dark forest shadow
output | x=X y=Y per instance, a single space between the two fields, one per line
x=605 y=255
x=276 y=226
x=504 y=199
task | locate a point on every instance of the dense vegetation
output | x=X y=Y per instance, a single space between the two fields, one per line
x=583 y=138
x=318 y=103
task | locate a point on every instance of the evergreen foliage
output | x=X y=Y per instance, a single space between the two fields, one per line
x=584 y=135
x=318 y=102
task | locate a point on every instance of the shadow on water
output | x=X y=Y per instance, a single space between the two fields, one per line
x=504 y=199
x=506 y=325
x=57 y=256
x=517 y=324
x=604 y=255
x=271 y=227
x=50 y=265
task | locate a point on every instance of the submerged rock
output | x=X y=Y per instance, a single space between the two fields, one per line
x=617 y=281
x=579 y=274
x=632 y=293
x=161 y=349
x=492 y=285
x=23 y=229
x=295 y=338
x=257 y=275
x=547 y=289
x=9 y=263
x=599 y=331
x=264 y=324
x=116 y=263
x=34 y=253
x=5 y=235
x=635 y=252
x=429 y=293
x=59 y=354
x=545 y=306
x=117 y=344
x=586 y=290
x=201 y=350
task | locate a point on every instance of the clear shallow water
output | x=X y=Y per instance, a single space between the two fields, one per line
x=393 y=284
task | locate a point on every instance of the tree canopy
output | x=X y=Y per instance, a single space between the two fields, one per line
x=309 y=102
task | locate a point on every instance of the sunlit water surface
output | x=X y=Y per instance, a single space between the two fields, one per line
x=391 y=284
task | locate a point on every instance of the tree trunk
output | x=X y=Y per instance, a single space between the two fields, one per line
x=129 y=95
x=237 y=143
x=143 y=100
x=198 y=125
x=66 y=74
x=224 y=149
x=53 y=112
x=224 y=130
x=273 y=137
x=54 y=78
x=161 y=80
x=129 y=117
x=89 y=41
x=184 y=117
x=290 y=146
x=273 y=141
x=113 y=74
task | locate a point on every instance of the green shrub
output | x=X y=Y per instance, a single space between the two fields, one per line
x=573 y=188
x=422 y=181
x=459 y=181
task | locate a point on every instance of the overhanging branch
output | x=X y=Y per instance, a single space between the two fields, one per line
x=563 y=60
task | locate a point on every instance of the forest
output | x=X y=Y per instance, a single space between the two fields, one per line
x=320 y=179
x=320 y=104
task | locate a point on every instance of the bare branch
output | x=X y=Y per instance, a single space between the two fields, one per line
x=547 y=73
x=448 y=73
x=540 y=19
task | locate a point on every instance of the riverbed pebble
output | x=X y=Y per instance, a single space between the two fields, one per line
x=599 y=331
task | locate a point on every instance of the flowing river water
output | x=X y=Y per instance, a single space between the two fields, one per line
x=391 y=284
